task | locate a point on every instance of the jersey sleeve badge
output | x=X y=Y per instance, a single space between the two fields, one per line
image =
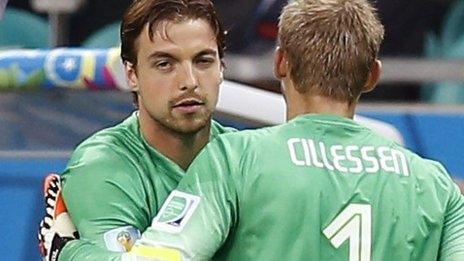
x=121 y=239
x=176 y=211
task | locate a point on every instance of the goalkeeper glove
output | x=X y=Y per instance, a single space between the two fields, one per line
x=56 y=228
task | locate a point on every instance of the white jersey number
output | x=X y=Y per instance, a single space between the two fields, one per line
x=352 y=224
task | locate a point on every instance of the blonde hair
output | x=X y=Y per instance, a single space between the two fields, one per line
x=331 y=45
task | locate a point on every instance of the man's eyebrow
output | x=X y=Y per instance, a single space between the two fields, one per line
x=207 y=52
x=160 y=55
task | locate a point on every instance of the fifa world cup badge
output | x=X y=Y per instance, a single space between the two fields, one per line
x=121 y=239
x=124 y=238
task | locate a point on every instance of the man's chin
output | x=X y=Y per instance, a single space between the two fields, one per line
x=190 y=126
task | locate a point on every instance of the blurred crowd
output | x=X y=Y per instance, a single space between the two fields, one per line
x=413 y=29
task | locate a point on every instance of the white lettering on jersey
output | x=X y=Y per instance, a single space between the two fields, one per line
x=312 y=147
x=367 y=158
x=324 y=157
x=351 y=158
x=338 y=157
x=291 y=146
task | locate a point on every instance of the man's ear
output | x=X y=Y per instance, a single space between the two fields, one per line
x=131 y=75
x=221 y=74
x=374 y=76
x=280 y=63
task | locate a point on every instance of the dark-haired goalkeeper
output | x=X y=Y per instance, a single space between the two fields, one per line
x=320 y=187
x=117 y=180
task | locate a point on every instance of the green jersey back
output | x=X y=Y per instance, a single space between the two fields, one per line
x=319 y=187
x=114 y=184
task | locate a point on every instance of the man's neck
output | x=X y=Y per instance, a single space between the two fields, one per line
x=180 y=148
x=303 y=104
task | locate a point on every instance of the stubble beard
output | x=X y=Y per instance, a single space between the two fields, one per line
x=185 y=125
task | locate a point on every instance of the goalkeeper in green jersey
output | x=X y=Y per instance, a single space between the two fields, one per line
x=320 y=187
x=116 y=180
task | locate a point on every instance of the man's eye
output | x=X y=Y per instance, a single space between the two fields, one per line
x=205 y=61
x=163 y=65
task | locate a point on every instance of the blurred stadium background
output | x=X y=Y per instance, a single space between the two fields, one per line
x=52 y=98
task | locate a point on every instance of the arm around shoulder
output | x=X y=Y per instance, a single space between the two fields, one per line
x=103 y=196
x=452 y=245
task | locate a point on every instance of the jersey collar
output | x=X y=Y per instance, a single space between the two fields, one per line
x=327 y=119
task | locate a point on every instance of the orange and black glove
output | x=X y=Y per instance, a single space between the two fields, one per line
x=56 y=228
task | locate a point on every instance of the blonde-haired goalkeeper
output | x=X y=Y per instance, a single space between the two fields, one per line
x=319 y=187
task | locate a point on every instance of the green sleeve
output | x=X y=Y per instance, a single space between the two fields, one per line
x=84 y=250
x=452 y=244
x=102 y=193
x=197 y=216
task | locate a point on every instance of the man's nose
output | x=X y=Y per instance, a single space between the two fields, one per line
x=190 y=80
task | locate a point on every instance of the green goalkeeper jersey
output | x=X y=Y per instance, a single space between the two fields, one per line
x=113 y=186
x=319 y=187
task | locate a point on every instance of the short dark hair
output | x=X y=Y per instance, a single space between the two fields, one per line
x=151 y=12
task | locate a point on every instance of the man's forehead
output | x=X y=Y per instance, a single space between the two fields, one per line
x=186 y=34
x=163 y=30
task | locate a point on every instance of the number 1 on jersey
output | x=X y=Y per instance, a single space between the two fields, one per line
x=352 y=224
